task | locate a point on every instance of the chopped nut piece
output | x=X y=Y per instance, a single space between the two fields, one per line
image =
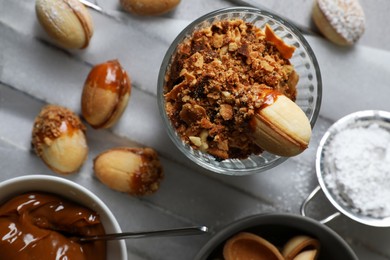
x=195 y=140
x=226 y=111
x=200 y=142
x=218 y=40
x=191 y=113
x=233 y=46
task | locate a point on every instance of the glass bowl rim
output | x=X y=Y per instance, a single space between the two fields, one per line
x=165 y=65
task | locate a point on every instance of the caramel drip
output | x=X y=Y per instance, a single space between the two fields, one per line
x=268 y=97
x=109 y=76
x=148 y=176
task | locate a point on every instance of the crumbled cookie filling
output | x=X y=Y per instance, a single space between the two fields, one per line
x=216 y=82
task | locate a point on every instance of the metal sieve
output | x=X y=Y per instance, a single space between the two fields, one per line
x=323 y=167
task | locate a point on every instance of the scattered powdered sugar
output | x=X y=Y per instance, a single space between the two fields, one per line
x=346 y=17
x=360 y=175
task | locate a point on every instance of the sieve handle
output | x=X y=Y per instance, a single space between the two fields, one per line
x=306 y=202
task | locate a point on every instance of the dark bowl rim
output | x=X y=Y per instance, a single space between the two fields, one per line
x=271 y=219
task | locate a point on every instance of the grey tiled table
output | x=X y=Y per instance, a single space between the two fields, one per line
x=34 y=72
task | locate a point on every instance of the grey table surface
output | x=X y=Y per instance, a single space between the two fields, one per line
x=33 y=72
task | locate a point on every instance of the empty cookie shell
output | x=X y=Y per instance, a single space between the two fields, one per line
x=305 y=247
x=246 y=245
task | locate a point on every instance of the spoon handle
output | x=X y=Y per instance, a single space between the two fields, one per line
x=197 y=230
x=109 y=13
x=91 y=5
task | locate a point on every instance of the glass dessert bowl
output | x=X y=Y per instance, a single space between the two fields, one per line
x=306 y=92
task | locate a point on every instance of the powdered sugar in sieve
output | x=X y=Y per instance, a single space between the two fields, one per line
x=360 y=177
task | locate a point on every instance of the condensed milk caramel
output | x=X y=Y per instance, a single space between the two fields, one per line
x=38 y=225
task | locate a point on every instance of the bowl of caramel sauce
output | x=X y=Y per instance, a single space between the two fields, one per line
x=41 y=217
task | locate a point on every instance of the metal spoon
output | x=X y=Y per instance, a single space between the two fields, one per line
x=112 y=14
x=196 y=230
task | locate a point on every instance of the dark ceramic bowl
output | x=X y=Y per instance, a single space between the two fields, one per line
x=277 y=229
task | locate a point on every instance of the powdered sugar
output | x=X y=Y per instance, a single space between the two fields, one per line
x=360 y=175
x=346 y=17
